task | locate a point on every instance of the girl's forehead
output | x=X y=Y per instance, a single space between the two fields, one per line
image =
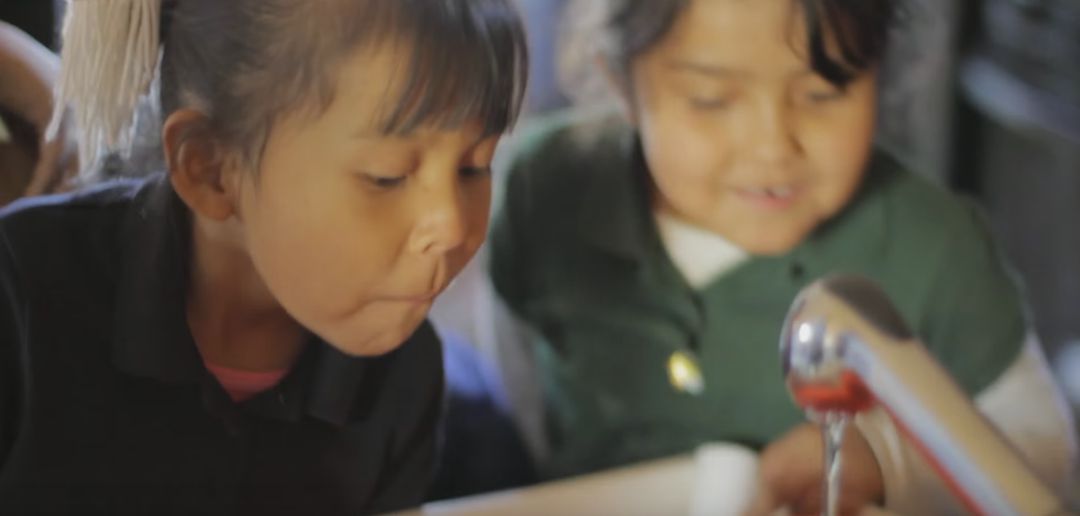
x=374 y=70
x=738 y=35
x=381 y=81
x=707 y=22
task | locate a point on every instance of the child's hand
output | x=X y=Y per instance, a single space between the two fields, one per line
x=792 y=471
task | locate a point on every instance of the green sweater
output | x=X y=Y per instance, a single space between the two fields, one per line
x=576 y=255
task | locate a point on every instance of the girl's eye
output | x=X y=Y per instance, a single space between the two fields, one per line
x=384 y=182
x=474 y=172
x=823 y=96
x=820 y=91
x=709 y=103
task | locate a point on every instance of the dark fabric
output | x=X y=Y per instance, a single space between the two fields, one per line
x=106 y=408
x=38 y=18
x=482 y=448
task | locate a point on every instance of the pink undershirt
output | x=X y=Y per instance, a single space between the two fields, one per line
x=242 y=385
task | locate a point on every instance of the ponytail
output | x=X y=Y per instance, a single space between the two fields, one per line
x=110 y=53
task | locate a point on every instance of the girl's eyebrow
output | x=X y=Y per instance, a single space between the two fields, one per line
x=374 y=131
x=727 y=72
x=718 y=71
x=366 y=133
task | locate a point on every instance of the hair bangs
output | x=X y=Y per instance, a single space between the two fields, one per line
x=468 y=63
x=846 y=37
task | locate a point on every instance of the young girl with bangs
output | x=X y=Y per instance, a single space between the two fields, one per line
x=244 y=332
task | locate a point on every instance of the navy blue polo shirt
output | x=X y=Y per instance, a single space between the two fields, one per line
x=106 y=407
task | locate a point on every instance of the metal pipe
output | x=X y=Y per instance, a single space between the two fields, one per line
x=845 y=348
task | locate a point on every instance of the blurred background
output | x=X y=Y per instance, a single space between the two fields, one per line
x=981 y=95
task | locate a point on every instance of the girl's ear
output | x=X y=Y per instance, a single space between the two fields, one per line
x=620 y=84
x=196 y=165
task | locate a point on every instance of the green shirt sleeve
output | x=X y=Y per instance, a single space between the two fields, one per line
x=518 y=229
x=507 y=260
x=974 y=317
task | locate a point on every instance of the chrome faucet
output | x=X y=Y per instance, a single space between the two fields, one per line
x=846 y=349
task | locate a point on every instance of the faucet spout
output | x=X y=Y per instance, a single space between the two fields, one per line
x=845 y=348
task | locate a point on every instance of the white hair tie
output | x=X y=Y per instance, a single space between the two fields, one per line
x=110 y=53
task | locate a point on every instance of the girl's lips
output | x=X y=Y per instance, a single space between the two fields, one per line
x=770 y=198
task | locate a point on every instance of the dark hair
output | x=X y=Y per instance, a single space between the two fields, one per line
x=248 y=62
x=621 y=30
